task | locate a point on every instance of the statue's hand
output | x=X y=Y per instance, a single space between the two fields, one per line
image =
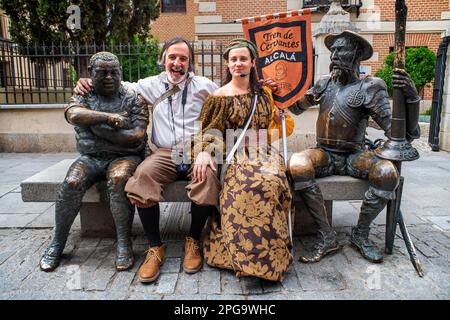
x=84 y=85
x=402 y=80
x=118 y=120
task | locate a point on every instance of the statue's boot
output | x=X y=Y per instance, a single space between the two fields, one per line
x=52 y=257
x=326 y=242
x=123 y=213
x=124 y=254
x=370 y=208
x=67 y=206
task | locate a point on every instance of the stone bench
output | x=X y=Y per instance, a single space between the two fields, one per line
x=96 y=219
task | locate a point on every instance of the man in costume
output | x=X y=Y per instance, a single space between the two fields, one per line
x=175 y=97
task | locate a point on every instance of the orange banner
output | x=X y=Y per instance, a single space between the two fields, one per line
x=285 y=54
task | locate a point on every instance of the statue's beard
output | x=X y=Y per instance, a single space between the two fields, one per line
x=341 y=75
x=341 y=72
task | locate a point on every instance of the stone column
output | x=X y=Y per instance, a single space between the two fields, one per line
x=444 y=135
x=335 y=21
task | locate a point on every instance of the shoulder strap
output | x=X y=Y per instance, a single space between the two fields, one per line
x=165 y=95
x=171 y=92
x=238 y=142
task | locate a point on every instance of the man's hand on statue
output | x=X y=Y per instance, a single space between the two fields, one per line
x=402 y=80
x=117 y=120
x=84 y=85
x=270 y=83
x=202 y=162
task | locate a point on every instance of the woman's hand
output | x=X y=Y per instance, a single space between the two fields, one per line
x=278 y=113
x=270 y=83
x=84 y=85
x=202 y=162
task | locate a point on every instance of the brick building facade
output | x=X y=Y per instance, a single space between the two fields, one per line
x=213 y=21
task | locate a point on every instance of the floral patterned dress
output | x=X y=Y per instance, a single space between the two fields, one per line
x=252 y=236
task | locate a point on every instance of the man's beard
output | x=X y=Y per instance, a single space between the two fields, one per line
x=183 y=75
x=341 y=75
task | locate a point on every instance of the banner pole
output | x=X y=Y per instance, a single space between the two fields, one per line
x=285 y=155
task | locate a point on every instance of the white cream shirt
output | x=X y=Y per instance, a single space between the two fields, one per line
x=153 y=87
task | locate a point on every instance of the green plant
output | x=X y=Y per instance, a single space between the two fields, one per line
x=420 y=63
x=38 y=24
x=426 y=112
x=139 y=59
x=74 y=75
x=45 y=21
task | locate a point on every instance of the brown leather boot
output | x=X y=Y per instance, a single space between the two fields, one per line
x=149 y=270
x=193 y=260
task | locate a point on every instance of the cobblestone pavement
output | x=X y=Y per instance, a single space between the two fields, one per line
x=87 y=270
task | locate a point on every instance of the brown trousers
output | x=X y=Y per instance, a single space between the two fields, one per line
x=144 y=188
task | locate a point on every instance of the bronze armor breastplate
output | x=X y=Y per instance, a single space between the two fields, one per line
x=342 y=118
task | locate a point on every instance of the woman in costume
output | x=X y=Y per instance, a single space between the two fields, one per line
x=251 y=236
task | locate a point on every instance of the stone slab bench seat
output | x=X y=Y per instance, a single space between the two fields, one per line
x=96 y=219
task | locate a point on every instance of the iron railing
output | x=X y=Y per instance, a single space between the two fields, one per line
x=47 y=74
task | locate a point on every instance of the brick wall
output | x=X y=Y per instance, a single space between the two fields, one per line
x=235 y=9
x=418 y=10
x=169 y=25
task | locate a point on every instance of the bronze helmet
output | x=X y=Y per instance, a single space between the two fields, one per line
x=366 y=47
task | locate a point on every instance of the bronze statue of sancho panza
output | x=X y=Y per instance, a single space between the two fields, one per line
x=111 y=133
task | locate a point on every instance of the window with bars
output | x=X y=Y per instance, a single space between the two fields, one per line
x=324 y=5
x=173 y=6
